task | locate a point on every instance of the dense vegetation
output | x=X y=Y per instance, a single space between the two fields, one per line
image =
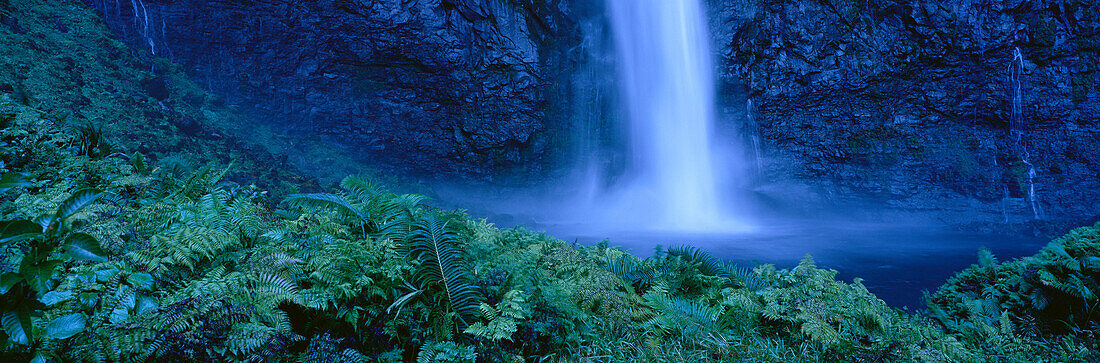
x=59 y=57
x=122 y=239
x=109 y=257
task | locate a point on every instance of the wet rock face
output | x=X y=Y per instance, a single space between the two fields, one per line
x=907 y=102
x=912 y=101
x=439 y=86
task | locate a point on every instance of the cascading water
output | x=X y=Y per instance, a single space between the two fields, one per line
x=141 y=19
x=665 y=75
x=1015 y=70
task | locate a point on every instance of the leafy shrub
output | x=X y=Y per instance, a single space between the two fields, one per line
x=1049 y=297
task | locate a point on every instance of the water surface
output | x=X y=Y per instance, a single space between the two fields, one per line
x=896 y=263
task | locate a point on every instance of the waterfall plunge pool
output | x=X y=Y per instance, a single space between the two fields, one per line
x=671 y=185
x=896 y=263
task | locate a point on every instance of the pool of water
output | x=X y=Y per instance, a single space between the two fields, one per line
x=898 y=256
x=897 y=263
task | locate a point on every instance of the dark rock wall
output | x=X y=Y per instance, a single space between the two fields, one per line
x=911 y=101
x=907 y=102
x=435 y=86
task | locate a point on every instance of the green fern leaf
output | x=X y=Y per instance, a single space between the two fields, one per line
x=323 y=200
x=443 y=263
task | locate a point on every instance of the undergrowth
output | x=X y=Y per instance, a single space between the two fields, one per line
x=117 y=244
x=112 y=257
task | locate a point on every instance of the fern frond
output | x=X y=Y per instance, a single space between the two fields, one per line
x=745 y=277
x=246 y=338
x=446 y=352
x=323 y=200
x=627 y=268
x=709 y=265
x=691 y=318
x=703 y=260
x=359 y=186
x=201 y=182
x=443 y=262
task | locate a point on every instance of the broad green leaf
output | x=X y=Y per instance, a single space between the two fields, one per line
x=88 y=298
x=53 y=297
x=104 y=275
x=38 y=275
x=400 y=302
x=84 y=247
x=12 y=325
x=15 y=231
x=144 y=303
x=140 y=280
x=87 y=277
x=65 y=326
x=138 y=161
x=13 y=180
x=8 y=280
x=75 y=203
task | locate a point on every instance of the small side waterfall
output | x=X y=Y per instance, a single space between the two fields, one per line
x=665 y=74
x=141 y=20
x=1016 y=68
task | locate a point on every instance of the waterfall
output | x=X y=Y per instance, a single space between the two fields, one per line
x=1016 y=68
x=141 y=19
x=665 y=75
x=757 y=155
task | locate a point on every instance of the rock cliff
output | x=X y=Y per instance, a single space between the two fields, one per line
x=983 y=112
x=434 y=86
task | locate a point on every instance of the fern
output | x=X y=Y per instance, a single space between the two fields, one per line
x=201 y=182
x=502 y=319
x=709 y=265
x=322 y=200
x=690 y=318
x=443 y=264
x=627 y=268
x=200 y=231
x=446 y=352
x=745 y=278
x=91 y=141
x=703 y=260
x=360 y=187
x=395 y=214
x=324 y=348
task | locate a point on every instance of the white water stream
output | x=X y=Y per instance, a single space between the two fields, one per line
x=665 y=75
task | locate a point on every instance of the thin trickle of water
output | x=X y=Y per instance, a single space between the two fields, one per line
x=1014 y=72
x=754 y=128
x=141 y=19
x=1016 y=125
x=666 y=77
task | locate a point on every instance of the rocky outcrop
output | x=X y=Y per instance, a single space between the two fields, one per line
x=440 y=86
x=981 y=113
x=912 y=102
